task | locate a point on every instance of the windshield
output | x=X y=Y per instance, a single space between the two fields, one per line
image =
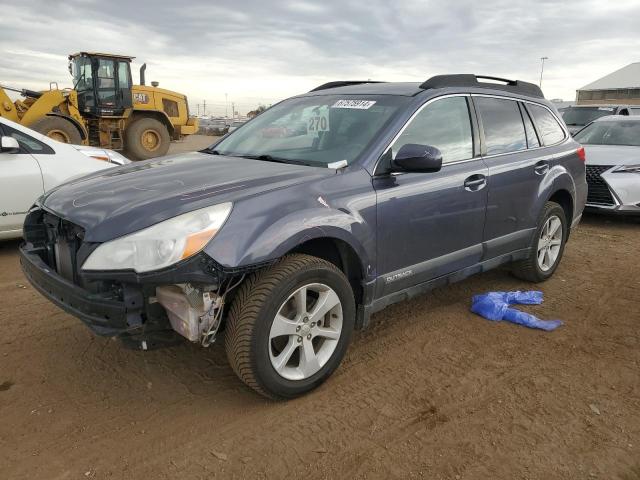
x=316 y=130
x=584 y=115
x=611 y=133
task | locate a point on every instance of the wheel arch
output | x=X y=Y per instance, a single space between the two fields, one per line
x=156 y=115
x=339 y=253
x=565 y=200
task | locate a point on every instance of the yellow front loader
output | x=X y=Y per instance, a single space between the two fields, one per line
x=104 y=108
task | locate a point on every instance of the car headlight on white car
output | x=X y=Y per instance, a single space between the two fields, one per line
x=629 y=168
x=162 y=244
x=103 y=154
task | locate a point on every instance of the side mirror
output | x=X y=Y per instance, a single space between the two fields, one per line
x=9 y=145
x=418 y=158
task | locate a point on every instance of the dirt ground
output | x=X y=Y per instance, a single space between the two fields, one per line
x=429 y=391
x=191 y=143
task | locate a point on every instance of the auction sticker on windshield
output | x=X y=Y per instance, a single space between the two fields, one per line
x=317 y=120
x=359 y=104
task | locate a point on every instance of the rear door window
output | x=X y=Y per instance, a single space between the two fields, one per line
x=502 y=124
x=549 y=128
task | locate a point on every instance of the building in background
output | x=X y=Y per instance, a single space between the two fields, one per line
x=621 y=87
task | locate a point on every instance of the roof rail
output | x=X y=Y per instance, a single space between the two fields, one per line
x=342 y=83
x=470 y=80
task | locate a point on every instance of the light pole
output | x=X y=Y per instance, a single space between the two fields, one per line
x=542 y=59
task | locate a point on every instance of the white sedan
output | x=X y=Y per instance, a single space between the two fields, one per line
x=31 y=163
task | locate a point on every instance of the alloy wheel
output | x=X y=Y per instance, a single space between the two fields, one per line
x=305 y=331
x=549 y=243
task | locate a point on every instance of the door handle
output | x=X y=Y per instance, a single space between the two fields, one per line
x=475 y=183
x=541 y=167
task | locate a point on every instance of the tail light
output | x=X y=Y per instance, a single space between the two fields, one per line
x=582 y=155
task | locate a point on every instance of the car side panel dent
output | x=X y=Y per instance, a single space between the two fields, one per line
x=262 y=229
x=291 y=231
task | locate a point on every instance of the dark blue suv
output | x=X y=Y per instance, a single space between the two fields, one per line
x=290 y=232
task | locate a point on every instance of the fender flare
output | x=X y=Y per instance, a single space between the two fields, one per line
x=564 y=181
x=76 y=123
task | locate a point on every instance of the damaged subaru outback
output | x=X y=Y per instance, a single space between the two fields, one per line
x=286 y=235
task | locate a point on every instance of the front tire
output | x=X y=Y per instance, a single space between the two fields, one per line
x=289 y=326
x=547 y=246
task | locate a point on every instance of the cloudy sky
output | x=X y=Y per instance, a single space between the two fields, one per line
x=260 y=51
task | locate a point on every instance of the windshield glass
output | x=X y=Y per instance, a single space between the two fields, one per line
x=584 y=115
x=81 y=69
x=315 y=130
x=611 y=133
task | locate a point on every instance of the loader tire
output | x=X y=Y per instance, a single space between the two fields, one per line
x=58 y=128
x=146 y=138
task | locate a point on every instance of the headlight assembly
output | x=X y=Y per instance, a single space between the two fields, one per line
x=162 y=244
x=629 y=168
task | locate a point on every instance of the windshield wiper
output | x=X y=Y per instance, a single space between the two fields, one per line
x=211 y=151
x=271 y=158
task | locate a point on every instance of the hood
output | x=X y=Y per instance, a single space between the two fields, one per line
x=117 y=201
x=612 y=155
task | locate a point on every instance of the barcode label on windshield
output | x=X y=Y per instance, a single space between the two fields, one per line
x=359 y=104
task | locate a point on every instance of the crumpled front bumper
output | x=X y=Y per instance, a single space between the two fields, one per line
x=102 y=315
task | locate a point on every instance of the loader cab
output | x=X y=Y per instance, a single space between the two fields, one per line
x=103 y=83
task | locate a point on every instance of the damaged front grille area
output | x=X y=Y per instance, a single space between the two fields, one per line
x=60 y=244
x=188 y=298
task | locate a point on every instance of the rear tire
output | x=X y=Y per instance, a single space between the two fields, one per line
x=146 y=138
x=547 y=246
x=58 y=128
x=289 y=326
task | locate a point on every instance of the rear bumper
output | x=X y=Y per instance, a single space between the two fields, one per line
x=103 y=316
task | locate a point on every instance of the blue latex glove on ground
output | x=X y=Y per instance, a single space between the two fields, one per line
x=495 y=306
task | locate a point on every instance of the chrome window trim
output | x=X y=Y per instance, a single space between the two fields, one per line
x=566 y=138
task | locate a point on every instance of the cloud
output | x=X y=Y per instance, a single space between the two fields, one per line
x=258 y=52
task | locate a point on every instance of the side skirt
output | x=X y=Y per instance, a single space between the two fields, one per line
x=365 y=311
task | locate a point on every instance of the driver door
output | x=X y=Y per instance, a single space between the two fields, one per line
x=431 y=223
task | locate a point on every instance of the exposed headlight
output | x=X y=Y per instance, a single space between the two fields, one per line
x=162 y=244
x=629 y=168
x=103 y=154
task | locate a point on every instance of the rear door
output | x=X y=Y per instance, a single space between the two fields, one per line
x=20 y=182
x=430 y=224
x=517 y=168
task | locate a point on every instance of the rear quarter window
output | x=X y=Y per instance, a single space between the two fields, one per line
x=549 y=128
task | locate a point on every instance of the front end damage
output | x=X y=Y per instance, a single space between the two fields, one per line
x=145 y=311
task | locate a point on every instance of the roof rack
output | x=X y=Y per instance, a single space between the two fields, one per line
x=342 y=83
x=470 y=80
